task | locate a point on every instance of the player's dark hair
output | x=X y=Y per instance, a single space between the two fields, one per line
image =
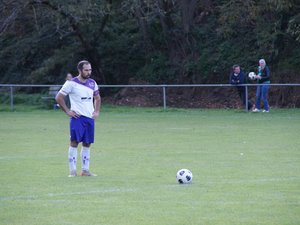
x=81 y=63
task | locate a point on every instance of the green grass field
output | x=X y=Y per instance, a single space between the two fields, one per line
x=246 y=168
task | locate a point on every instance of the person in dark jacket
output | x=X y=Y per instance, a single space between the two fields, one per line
x=262 y=77
x=237 y=77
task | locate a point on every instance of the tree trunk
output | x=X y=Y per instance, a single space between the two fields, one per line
x=92 y=54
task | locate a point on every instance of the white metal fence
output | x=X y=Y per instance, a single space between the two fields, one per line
x=163 y=88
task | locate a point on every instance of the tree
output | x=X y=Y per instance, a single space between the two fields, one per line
x=40 y=21
x=159 y=41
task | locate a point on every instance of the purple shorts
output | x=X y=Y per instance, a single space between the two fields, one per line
x=82 y=129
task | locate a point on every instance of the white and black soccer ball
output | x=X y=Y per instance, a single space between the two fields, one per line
x=184 y=176
x=251 y=75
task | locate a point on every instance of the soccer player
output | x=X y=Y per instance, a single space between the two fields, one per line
x=85 y=108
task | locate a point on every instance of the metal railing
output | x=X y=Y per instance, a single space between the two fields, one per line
x=162 y=86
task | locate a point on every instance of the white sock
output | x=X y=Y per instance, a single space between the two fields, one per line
x=72 y=158
x=85 y=158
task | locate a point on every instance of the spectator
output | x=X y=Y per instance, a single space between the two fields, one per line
x=262 y=77
x=69 y=76
x=67 y=99
x=237 y=77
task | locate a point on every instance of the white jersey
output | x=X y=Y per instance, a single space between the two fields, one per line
x=81 y=95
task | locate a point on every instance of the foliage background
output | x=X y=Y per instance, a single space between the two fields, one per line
x=155 y=41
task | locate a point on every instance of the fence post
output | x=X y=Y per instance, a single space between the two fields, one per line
x=164 y=97
x=246 y=97
x=11 y=98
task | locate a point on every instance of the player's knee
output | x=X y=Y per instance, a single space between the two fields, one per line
x=74 y=144
x=86 y=145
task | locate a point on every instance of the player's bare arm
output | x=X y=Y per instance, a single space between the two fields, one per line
x=97 y=104
x=60 y=99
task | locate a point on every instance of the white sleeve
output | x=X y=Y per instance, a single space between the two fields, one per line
x=66 y=88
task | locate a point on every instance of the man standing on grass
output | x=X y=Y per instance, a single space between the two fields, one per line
x=263 y=77
x=237 y=77
x=85 y=108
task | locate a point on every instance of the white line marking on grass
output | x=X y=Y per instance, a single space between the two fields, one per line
x=7 y=158
x=253 y=202
x=34 y=197
x=12 y=157
x=260 y=180
x=110 y=190
x=179 y=128
x=120 y=190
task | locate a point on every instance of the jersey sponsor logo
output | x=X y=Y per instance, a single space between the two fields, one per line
x=83 y=98
x=86 y=99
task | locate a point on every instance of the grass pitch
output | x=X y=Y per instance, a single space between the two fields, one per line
x=246 y=168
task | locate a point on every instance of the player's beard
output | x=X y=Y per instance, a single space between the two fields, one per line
x=85 y=77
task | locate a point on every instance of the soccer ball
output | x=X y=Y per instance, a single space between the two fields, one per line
x=251 y=75
x=184 y=176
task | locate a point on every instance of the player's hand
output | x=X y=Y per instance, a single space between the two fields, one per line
x=72 y=114
x=95 y=114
